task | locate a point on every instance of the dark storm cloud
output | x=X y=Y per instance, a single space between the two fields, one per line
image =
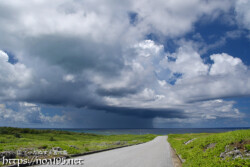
x=144 y=112
x=117 y=92
x=93 y=55
x=101 y=119
x=58 y=94
x=76 y=54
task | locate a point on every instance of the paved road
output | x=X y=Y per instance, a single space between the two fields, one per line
x=155 y=153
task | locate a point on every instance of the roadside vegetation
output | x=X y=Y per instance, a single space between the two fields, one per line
x=14 y=139
x=213 y=149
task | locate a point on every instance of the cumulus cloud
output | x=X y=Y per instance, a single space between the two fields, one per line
x=12 y=77
x=98 y=57
x=194 y=90
x=226 y=64
x=225 y=77
x=188 y=62
x=26 y=114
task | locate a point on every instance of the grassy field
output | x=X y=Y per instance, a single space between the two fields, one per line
x=13 y=139
x=205 y=150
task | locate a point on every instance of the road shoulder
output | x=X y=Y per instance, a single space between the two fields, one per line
x=175 y=159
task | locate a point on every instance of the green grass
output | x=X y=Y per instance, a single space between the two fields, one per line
x=12 y=139
x=196 y=154
x=248 y=147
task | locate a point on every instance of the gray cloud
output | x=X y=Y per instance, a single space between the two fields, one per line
x=116 y=92
x=75 y=54
x=84 y=55
x=144 y=112
x=88 y=118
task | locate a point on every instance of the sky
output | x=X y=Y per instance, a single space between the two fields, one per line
x=125 y=64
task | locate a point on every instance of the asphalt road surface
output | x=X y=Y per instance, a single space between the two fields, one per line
x=155 y=153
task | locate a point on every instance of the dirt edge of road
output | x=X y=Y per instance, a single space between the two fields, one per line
x=175 y=158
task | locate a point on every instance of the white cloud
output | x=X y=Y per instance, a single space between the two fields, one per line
x=3 y=56
x=27 y=113
x=148 y=48
x=69 y=78
x=188 y=62
x=243 y=13
x=88 y=43
x=227 y=76
x=226 y=64
x=204 y=111
x=25 y=104
x=105 y=21
x=216 y=109
x=12 y=76
x=175 y=17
